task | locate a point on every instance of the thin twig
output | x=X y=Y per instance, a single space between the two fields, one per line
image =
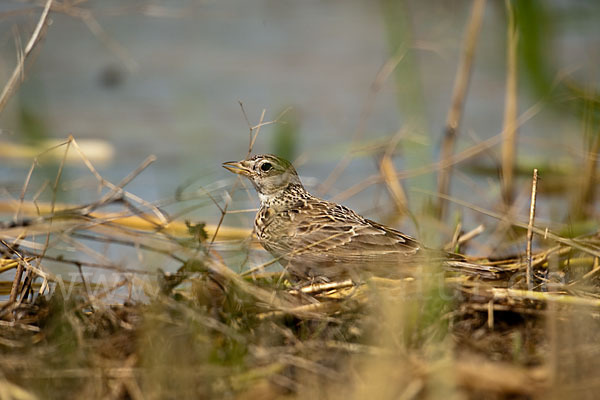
x=455 y=159
x=382 y=75
x=89 y=264
x=470 y=235
x=426 y=169
x=454 y=242
x=594 y=271
x=53 y=200
x=163 y=220
x=256 y=130
x=118 y=189
x=16 y=282
x=24 y=190
x=28 y=179
x=546 y=233
x=247 y=120
x=36 y=36
x=97 y=30
x=23 y=263
x=130 y=243
x=86 y=286
x=530 y=229
x=223 y=213
x=30 y=271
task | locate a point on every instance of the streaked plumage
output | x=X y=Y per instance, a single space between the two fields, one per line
x=316 y=238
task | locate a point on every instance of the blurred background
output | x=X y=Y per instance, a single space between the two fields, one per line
x=349 y=81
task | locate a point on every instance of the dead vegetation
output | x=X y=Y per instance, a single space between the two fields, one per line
x=206 y=330
x=121 y=327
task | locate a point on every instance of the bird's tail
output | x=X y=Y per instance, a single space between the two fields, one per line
x=484 y=271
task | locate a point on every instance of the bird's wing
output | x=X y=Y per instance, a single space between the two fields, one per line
x=325 y=229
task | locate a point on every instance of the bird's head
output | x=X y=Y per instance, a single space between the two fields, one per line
x=269 y=174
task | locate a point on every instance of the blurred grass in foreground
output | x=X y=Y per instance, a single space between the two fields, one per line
x=205 y=331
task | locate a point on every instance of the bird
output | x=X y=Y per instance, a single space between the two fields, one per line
x=317 y=240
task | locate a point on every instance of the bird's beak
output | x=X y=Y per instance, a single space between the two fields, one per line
x=238 y=167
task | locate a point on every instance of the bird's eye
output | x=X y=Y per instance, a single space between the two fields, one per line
x=266 y=167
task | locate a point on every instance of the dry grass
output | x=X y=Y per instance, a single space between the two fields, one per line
x=87 y=310
x=206 y=331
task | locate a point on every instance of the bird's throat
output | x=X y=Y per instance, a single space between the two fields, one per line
x=280 y=199
x=265 y=199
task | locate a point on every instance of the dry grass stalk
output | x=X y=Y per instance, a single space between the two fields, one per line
x=464 y=155
x=145 y=222
x=388 y=172
x=545 y=233
x=18 y=275
x=557 y=298
x=88 y=18
x=479 y=229
x=585 y=201
x=461 y=84
x=530 y=229
x=382 y=76
x=510 y=107
x=255 y=129
x=16 y=77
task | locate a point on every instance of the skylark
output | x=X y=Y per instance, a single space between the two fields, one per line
x=318 y=239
